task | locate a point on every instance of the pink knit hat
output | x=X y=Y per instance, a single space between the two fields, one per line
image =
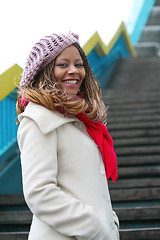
x=44 y=51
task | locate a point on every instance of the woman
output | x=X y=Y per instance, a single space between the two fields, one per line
x=65 y=149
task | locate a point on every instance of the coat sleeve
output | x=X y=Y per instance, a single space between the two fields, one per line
x=46 y=200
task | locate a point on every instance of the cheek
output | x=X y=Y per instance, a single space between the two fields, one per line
x=57 y=74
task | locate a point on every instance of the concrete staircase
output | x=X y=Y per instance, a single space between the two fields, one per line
x=134 y=123
x=149 y=43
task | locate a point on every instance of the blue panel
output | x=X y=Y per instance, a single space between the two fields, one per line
x=93 y=57
x=135 y=13
x=10 y=167
x=104 y=78
x=10 y=177
x=8 y=127
x=141 y=21
x=120 y=47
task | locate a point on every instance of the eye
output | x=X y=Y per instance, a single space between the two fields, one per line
x=79 y=65
x=61 y=65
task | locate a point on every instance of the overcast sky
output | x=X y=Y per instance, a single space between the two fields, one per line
x=23 y=22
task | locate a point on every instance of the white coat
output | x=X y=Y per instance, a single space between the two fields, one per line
x=64 y=180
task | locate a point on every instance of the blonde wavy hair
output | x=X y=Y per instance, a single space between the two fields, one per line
x=46 y=91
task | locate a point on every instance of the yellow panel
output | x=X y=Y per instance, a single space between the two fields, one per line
x=89 y=46
x=9 y=79
x=95 y=42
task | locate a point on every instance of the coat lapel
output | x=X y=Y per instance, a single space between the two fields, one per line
x=46 y=119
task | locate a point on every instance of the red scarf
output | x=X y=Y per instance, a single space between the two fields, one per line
x=100 y=135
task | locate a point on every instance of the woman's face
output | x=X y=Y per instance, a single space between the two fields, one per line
x=69 y=71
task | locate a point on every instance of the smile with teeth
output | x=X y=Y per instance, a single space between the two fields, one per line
x=71 y=81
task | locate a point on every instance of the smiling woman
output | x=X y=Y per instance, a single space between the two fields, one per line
x=67 y=154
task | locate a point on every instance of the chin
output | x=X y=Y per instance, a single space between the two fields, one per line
x=72 y=93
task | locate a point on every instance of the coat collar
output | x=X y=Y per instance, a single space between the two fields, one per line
x=46 y=119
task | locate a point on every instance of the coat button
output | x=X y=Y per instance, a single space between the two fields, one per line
x=106 y=197
x=102 y=170
x=112 y=224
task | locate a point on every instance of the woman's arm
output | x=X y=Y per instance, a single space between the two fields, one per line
x=67 y=215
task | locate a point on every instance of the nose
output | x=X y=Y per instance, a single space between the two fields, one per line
x=72 y=69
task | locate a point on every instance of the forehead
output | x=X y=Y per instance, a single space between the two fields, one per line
x=70 y=52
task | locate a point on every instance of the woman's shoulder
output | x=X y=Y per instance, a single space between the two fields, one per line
x=46 y=119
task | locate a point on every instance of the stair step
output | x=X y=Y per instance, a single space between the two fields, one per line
x=150 y=34
x=134 y=101
x=120 y=101
x=140 y=234
x=137 y=118
x=132 y=94
x=138 y=213
x=136 y=194
x=154 y=17
x=129 y=113
x=134 y=172
x=147 y=49
x=134 y=106
x=138 y=160
x=127 y=96
x=13 y=235
x=137 y=141
x=135 y=93
x=137 y=150
x=125 y=104
x=134 y=125
x=12 y=199
x=15 y=217
x=137 y=113
x=122 y=133
x=135 y=183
